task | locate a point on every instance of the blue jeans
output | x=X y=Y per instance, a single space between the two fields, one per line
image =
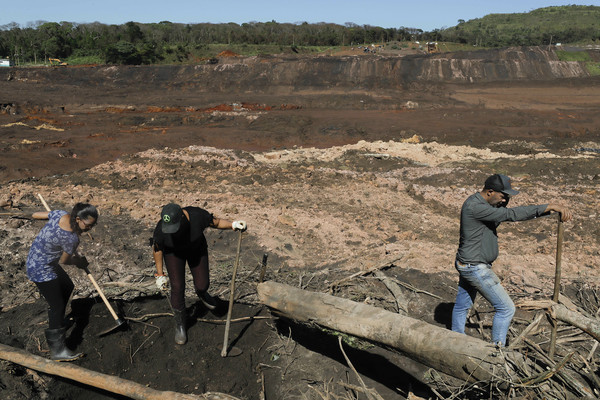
x=480 y=278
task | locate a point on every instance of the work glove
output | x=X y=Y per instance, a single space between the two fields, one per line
x=161 y=282
x=81 y=262
x=239 y=226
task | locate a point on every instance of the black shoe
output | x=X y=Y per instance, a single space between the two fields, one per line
x=208 y=301
x=58 y=349
x=180 y=326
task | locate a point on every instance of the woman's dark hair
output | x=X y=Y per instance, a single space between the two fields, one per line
x=83 y=211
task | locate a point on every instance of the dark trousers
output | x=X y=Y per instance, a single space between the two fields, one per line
x=57 y=293
x=198 y=264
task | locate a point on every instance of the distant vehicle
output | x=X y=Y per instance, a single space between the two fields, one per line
x=5 y=62
x=432 y=47
x=57 y=63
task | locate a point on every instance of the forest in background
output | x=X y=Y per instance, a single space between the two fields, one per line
x=167 y=42
x=563 y=24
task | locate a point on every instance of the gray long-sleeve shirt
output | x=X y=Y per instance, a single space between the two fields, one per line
x=478 y=223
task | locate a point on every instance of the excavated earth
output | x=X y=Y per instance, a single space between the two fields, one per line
x=338 y=164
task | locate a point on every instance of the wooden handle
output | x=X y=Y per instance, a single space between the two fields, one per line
x=231 y=295
x=91 y=278
x=557 y=272
x=44 y=202
x=560 y=231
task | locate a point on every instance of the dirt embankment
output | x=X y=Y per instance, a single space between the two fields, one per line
x=287 y=74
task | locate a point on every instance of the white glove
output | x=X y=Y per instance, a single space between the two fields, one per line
x=161 y=282
x=239 y=226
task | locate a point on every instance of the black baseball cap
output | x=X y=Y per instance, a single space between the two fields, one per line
x=500 y=183
x=171 y=218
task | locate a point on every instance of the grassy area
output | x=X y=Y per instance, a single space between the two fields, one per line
x=573 y=55
x=593 y=68
x=85 y=60
x=582 y=56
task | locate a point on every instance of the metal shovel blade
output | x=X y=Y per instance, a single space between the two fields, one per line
x=231 y=352
x=119 y=324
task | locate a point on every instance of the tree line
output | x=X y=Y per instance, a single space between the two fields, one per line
x=137 y=43
x=168 y=42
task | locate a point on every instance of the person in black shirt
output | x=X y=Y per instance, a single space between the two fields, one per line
x=179 y=238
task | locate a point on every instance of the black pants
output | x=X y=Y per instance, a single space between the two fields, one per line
x=57 y=293
x=175 y=263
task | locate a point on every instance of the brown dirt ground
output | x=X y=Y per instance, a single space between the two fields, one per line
x=326 y=191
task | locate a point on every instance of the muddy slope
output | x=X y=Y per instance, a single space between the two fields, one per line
x=288 y=74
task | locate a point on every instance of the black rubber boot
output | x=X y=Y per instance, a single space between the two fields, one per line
x=180 y=326
x=58 y=348
x=206 y=299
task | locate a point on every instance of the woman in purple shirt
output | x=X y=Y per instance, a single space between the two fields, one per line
x=57 y=244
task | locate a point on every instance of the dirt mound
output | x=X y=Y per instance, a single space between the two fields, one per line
x=227 y=53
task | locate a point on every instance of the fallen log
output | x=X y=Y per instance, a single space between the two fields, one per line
x=562 y=313
x=92 y=378
x=588 y=325
x=455 y=354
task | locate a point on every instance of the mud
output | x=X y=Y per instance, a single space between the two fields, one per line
x=337 y=163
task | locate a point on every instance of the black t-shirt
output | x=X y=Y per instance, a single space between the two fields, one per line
x=190 y=234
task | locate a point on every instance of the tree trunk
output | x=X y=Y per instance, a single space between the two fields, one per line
x=589 y=326
x=107 y=382
x=455 y=354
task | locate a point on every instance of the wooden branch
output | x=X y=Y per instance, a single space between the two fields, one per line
x=534 y=324
x=367 y=392
x=562 y=313
x=109 y=383
x=146 y=317
x=395 y=290
x=222 y=321
x=549 y=373
x=415 y=289
x=581 y=389
x=361 y=273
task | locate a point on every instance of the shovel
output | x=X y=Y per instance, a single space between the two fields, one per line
x=119 y=321
x=234 y=351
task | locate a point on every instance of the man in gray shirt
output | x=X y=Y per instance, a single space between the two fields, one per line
x=480 y=215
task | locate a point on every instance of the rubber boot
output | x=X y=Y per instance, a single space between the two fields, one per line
x=180 y=320
x=58 y=348
x=206 y=299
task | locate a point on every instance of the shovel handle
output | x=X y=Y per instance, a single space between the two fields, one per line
x=231 y=295
x=560 y=231
x=44 y=202
x=91 y=278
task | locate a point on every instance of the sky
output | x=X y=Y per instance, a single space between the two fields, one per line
x=426 y=15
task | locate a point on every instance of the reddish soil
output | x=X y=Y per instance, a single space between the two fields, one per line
x=332 y=175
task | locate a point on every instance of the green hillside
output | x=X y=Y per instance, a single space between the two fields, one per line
x=561 y=24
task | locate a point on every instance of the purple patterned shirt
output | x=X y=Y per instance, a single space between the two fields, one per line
x=48 y=247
